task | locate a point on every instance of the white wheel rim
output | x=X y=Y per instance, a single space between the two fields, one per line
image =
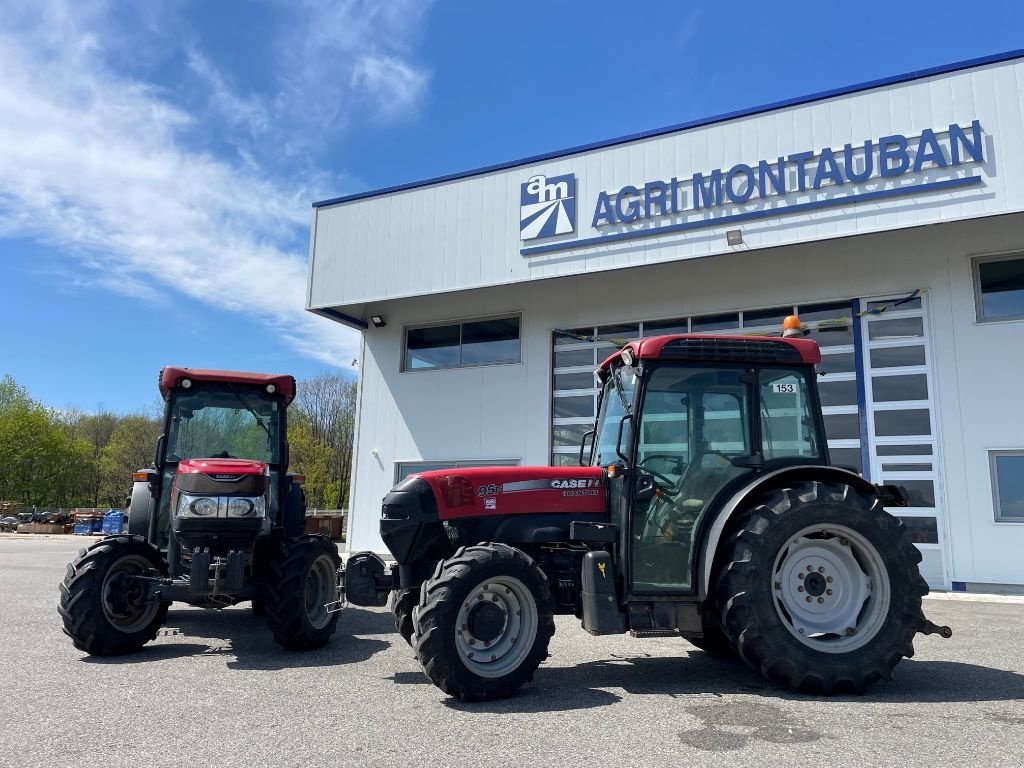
x=127 y=612
x=831 y=588
x=319 y=591
x=497 y=654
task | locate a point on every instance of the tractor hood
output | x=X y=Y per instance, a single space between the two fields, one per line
x=485 y=491
x=222 y=477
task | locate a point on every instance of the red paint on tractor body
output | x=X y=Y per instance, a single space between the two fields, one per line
x=652 y=348
x=487 y=491
x=171 y=376
x=222 y=467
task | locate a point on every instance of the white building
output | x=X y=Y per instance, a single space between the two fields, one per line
x=889 y=215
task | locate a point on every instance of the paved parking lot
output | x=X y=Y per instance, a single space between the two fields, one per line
x=215 y=689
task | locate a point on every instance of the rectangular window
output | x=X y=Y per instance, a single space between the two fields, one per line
x=474 y=342
x=999 y=287
x=1008 y=485
x=787 y=428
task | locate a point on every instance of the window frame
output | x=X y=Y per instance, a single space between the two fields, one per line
x=994 y=478
x=979 y=310
x=403 y=368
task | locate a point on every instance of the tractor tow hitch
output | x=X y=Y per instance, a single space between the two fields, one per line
x=931 y=628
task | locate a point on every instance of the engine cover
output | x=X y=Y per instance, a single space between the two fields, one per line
x=487 y=491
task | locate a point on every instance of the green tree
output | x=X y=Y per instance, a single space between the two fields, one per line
x=131 y=446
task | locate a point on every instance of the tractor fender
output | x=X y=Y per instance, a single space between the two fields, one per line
x=140 y=509
x=759 y=484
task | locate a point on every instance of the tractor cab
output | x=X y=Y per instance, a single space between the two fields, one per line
x=682 y=424
x=234 y=424
x=216 y=521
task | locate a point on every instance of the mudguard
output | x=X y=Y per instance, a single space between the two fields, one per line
x=762 y=482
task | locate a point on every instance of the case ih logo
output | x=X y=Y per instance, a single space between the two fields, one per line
x=547 y=206
x=571 y=484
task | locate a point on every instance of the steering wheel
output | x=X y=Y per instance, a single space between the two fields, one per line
x=222 y=455
x=663 y=478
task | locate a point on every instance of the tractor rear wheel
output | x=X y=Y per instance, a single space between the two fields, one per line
x=819 y=589
x=484 y=622
x=105 y=611
x=301 y=584
x=714 y=641
x=402 y=602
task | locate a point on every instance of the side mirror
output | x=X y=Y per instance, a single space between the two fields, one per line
x=645 y=488
x=618 y=442
x=583 y=445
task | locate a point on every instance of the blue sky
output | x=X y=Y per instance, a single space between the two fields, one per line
x=158 y=160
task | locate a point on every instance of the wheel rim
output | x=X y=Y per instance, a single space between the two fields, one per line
x=831 y=588
x=319 y=591
x=496 y=627
x=124 y=599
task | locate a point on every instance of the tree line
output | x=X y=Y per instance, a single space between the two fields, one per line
x=54 y=458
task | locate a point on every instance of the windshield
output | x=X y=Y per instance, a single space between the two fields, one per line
x=616 y=402
x=228 y=422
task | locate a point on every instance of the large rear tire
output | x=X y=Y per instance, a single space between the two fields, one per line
x=819 y=589
x=484 y=622
x=402 y=602
x=104 y=610
x=302 y=582
x=715 y=641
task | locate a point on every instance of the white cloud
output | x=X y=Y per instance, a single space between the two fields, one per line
x=105 y=166
x=394 y=85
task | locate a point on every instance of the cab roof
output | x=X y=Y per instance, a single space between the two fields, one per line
x=721 y=348
x=171 y=376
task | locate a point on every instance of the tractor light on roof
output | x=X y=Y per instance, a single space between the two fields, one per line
x=627 y=356
x=186 y=383
x=271 y=388
x=791 y=327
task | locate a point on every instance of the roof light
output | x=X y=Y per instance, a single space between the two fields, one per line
x=791 y=327
x=186 y=383
x=271 y=388
x=627 y=356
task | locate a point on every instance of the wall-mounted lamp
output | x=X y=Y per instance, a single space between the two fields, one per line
x=378 y=321
x=734 y=237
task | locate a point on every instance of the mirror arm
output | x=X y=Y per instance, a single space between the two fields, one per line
x=618 y=442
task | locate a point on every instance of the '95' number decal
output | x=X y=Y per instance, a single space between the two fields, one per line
x=488 y=490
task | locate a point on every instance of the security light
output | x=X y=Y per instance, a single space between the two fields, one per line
x=734 y=237
x=378 y=321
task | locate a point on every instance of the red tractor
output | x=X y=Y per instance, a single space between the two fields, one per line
x=218 y=520
x=705 y=506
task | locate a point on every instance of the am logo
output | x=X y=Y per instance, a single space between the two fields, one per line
x=547 y=206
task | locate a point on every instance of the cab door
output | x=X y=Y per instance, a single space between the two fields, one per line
x=692 y=422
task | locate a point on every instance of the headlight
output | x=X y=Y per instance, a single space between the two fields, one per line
x=198 y=506
x=246 y=507
x=221 y=506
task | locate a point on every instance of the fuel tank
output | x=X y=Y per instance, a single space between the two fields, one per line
x=487 y=491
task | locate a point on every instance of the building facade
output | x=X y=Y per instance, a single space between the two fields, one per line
x=889 y=216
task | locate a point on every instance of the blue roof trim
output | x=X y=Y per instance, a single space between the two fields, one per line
x=820 y=96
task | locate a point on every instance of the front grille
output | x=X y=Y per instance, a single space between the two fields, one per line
x=740 y=350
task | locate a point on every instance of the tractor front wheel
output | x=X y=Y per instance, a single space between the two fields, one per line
x=484 y=622
x=302 y=583
x=819 y=589
x=402 y=602
x=106 y=610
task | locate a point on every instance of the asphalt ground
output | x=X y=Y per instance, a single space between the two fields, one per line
x=214 y=689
